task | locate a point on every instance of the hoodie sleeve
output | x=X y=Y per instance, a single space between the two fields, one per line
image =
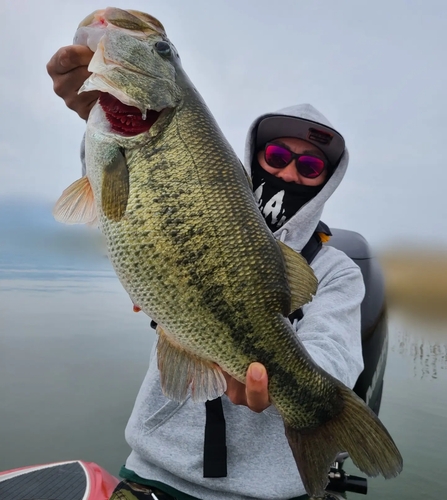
x=330 y=329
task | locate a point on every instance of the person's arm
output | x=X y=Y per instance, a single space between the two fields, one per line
x=68 y=70
x=330 y=329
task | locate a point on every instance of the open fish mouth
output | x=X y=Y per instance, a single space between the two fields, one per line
x=126 y=120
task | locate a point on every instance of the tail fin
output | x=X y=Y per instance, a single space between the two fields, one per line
x=356 y=430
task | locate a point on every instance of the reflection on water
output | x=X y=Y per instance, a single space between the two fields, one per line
x=414 y=409
x=73 y=355
x=425 y=344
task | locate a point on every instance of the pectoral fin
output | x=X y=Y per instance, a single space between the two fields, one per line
x=115 y=187
x=302 y=280
x=180 y=369
x=76 y=205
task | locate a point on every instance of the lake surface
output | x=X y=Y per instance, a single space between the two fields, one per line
x=73 y=354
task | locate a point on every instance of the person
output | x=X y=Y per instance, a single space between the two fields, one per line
x=296 y=160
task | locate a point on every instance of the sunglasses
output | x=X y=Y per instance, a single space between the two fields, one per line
x=277 y=156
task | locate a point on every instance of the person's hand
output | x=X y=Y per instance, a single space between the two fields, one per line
x=254 y=393
x=68 y=70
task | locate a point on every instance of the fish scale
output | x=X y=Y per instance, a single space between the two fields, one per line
x=191 y=248
x=217 y=295
x=179 y=231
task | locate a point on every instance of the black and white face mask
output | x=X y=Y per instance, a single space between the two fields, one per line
x=277 y=199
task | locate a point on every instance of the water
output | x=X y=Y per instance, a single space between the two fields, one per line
x=414 y=410
x=73 y=354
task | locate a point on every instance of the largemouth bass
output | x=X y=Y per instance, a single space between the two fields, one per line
x=191 y=248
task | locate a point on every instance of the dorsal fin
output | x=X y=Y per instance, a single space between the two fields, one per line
x=302 y=280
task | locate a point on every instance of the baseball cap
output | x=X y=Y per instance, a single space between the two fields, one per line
x=328 y=140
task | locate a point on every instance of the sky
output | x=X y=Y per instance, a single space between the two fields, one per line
x=377 y=70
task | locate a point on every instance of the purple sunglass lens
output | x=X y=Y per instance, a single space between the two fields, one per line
x=277 y=156
x=310 y=166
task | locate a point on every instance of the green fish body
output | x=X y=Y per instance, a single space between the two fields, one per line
x=191 y=248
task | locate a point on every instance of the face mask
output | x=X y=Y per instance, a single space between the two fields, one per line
x=277 y=199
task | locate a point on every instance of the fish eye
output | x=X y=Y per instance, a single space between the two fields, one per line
x=163 y=48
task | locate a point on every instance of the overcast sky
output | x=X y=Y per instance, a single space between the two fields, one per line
x=377 y=70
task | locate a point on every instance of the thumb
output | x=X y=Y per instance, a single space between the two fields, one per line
x=257 y=373
x=257 y=387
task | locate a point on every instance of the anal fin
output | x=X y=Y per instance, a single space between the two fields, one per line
x=181 y=370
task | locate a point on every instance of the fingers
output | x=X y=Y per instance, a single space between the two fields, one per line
x=235 y=390
x=68 y=70
x=67 y=87
x=68 y=58
x=257 y=388
x=255 y=393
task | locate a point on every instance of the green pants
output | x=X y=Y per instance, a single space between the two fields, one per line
x=129 y=490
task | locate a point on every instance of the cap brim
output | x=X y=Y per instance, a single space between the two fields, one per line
x=328 y=140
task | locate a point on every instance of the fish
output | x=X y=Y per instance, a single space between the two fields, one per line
x=190 y=247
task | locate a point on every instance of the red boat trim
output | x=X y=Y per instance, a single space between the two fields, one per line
x=94 y=484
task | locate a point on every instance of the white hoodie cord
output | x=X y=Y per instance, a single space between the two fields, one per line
x=283 y=235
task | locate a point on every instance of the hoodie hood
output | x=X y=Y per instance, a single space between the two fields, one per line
x=297 y=231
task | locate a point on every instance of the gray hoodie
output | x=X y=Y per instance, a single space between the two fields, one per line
x=167 y=437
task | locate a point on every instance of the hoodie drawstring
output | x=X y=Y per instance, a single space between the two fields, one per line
x=283 y=235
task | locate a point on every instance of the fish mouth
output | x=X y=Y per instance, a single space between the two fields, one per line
x=126 y=120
